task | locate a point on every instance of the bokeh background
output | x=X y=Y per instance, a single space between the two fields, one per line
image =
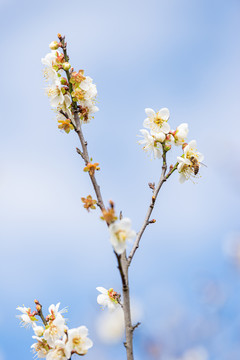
x=185 y=282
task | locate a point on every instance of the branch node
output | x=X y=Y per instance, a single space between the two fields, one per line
x=80 y=152
x=135 y=326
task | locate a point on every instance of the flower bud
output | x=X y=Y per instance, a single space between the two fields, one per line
x=39 y=330
x=64 y=81
x=167 y=147
x=38 y=307
x=54 y=45
x=66 y=66
x=159 y=136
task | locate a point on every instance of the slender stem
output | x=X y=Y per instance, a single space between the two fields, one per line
x=40 y=313
x=163 y=178
x=127 y=310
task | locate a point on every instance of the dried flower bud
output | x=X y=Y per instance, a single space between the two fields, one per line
x=89 y=203
x=91 y=168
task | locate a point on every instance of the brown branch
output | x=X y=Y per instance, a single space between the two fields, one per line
x=121 y=259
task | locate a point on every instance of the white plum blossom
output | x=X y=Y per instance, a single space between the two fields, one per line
x=151 y=144
x=27 y=319
x=108 y=298
x=120 y=233
x=89 y=96
x=55 y=94
x=157 y=121
x=78 y=340
x=49 y=61
x=41 y=347
x=190 y=162
x=180 y=134
x=55 y=330
x=60 y=352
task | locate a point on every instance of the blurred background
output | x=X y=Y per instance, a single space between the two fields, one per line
x=185 y=280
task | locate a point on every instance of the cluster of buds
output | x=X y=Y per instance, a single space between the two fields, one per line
x=160 y=138
x=54 y=340
x=68 y=90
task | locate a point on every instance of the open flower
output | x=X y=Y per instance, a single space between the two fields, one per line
x=189 y=162
x=55 y=330
x=157 y=121
x=49 y=61
x=151 y=144
x=27 y=319
x=109 y=298
x=78 y=341
x=120 y=233
x=41 y=347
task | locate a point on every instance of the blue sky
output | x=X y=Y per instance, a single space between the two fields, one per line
x=183 y=55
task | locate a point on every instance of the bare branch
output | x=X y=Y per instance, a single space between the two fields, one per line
x=146 y=222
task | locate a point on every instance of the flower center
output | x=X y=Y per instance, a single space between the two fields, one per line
x=77 y=341
x=121 y=235
x=158 y=120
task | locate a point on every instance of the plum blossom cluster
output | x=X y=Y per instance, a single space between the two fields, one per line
x=53 y=339
x=69 y=91
x=159 y=138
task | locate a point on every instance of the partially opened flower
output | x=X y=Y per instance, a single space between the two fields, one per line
x=157 y=121
x=120 y=233
x=109 y=298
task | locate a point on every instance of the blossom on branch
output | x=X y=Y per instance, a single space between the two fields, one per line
x=78 y=342
x=27 y=318
x=157 y=121
x=109 y=298
x=189 y=162
x=120 y=233
x=152 y=143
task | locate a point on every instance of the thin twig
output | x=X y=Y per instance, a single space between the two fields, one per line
x=40 y=313
x=163 y=178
